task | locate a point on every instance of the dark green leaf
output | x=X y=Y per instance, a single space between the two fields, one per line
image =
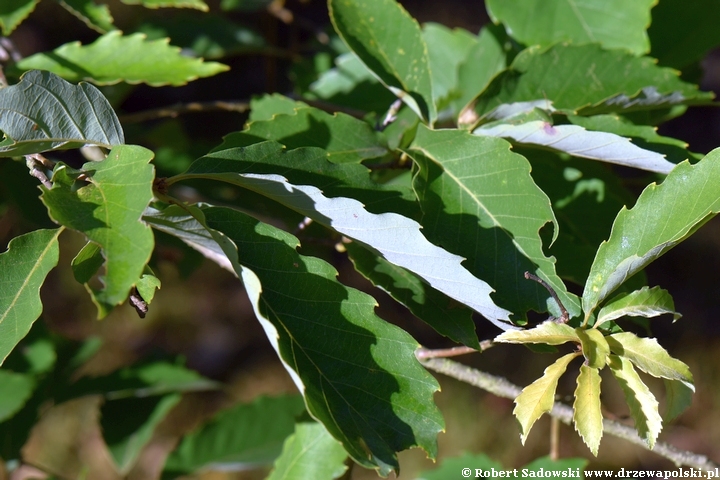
x=25 y=265
x=678 y=397
x=107 y=210
x=246 y=433
x=17 y=389
x=310 y=452
x=663 y=216
x=389 y=41
x=446 y=316
x=13 y=12
x=479 y=201
x=44 y=112
x=115 y=58
x=611 y=23
x=585 y=79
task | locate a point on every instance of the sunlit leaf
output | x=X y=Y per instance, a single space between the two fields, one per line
x=585 y=79
x=266 y=107
x=550 y=333
x=13 y=12
x=310 y=452
x=479 y=201
x=389 y=41
x=642 y=403
x=595 y=348
x=106 y=207
x=650 y=357
x=538 y=398
x=147 y=285
x=646 y=302
x=115 y=58
x=663 y=216
x=97 y=17
x=44 y=112
x=613 y=23
x=25 y=265
x=446 y=50
x=587 y=416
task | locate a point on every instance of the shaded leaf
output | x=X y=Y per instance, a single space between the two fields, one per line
x=549 y=333
x=107 y=210
x=344 y=138
x=87 y=262
x=582 y=143
x=115 y=58
x=587 y=416
x=13 y=12
x=585 y=79
x=97 y=17
x=480 y=202
x=25 y=265
x=446 y=50
x=388 y=406
x=650 y=357
x=595 y=348
x=538 y=398
x=646 y=302
x=398 y=239
x=612 y=24
x=642 y=403
x=17 y=389
x=196 y=4
x=678 y=397
x=681 y=33
x=446 y=316
x=44 y=112
x=147 y=285
x=389 y=41
x=663 y=216
x=310 y=452
x=449 y=467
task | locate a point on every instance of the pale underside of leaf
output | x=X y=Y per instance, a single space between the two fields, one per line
x=579 y=142
x=646 y=302
x=44 y=112
x=538 y=398
x=663 y=216
x=25 y=265
x=587 y=415
x=549 y=333
x=642 y=403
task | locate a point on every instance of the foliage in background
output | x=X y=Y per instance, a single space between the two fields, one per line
x=452 y=167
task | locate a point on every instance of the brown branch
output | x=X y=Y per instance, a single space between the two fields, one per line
x=423 y=353
x=564 y=315
x=503 y=388
x=178 y=109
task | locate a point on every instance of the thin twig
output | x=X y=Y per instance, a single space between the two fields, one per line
x=502 y=388
x=178 y=109
x=565 y=316
x=36 y=162
x=554 y=438
x=423 y=353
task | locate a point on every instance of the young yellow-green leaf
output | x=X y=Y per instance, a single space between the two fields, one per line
x=389 y=41
x=97 y=17
x=662 y=217
x=44 y=112
x=642 y=403
x=106 y=207
x=650 y=357
x=196 y=4
x=13 y=12
x=538 y=398
x=147 y=285
x=611 y=23
x=678 y=397
x=115 y=58
x=587 y=415
x=310 y=452
x=646 y=302
x=549 y=333
x=585 y=79
x=480 y=202
x=24 y=267
x=594 y=347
